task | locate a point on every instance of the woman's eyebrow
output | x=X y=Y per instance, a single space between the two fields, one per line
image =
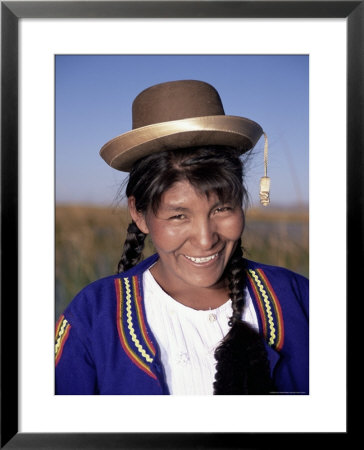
x=171 y=207
x=179 y=208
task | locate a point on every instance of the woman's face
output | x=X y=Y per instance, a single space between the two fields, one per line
x=194 y=235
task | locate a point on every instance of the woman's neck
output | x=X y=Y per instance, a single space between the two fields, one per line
x=199 y=298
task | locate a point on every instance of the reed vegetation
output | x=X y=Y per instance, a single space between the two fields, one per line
x=89 y=240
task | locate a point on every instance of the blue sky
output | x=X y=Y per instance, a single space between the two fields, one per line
x=94 y=94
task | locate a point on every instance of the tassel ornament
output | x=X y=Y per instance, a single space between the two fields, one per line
x=265 y=181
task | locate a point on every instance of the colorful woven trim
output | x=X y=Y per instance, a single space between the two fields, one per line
x=131 y=324
x=62 y=332
x=269 y=308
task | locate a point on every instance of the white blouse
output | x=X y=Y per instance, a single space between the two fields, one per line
x=188 y=337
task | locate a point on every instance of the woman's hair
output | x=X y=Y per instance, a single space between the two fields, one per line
x=242 y=365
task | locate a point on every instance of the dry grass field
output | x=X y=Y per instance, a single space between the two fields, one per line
x=89 y=240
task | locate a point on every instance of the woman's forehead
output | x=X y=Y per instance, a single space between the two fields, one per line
x=184 y=193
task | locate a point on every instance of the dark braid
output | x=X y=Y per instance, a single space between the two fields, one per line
x=133 y=248
x=242 y=364
x=236 y=278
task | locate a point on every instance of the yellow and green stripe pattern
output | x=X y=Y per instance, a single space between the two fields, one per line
x=131 y=324
x=269 y=308
x=62 y=332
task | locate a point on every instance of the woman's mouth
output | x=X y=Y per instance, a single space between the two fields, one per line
x=201 y=260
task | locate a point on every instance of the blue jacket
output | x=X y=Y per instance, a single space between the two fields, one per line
x=105 y=346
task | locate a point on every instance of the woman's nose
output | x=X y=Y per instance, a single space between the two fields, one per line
x=204 y=235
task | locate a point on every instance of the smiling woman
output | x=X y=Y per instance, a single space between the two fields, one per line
x=197 y=317
x=197 y=223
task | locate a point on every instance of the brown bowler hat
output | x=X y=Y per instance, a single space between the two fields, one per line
x=178 y=114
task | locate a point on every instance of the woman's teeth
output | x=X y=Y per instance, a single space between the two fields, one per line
x=201 y=260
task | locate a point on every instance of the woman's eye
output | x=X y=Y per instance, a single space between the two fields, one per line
x=223 y=209
x=178 y=217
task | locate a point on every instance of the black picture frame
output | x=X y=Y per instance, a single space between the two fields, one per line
x=11 y=12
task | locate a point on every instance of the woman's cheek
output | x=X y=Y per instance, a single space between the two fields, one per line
x=167 y=237
x=240 y=226
x=232 y=228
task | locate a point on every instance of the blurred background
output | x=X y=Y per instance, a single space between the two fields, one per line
x=94 y=94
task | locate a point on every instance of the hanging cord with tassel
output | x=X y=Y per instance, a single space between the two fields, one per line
x=265 y=181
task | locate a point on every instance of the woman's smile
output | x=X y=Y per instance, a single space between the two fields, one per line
x=202 y=259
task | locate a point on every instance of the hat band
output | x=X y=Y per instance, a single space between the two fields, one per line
x=140 y=136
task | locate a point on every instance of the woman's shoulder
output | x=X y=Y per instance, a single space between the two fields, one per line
x=99 y=296
x=275 y=271
x=282 y=280
x=91 y=301
x=284 y=283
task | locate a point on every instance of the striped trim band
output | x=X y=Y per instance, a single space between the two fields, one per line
x=131 y=324
x=269 y=308
x=62 y=332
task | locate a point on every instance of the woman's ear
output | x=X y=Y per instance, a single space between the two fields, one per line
x=137 y=216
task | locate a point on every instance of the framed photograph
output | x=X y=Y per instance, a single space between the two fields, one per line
x=34 y=35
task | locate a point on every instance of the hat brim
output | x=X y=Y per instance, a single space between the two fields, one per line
x=238 y=132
